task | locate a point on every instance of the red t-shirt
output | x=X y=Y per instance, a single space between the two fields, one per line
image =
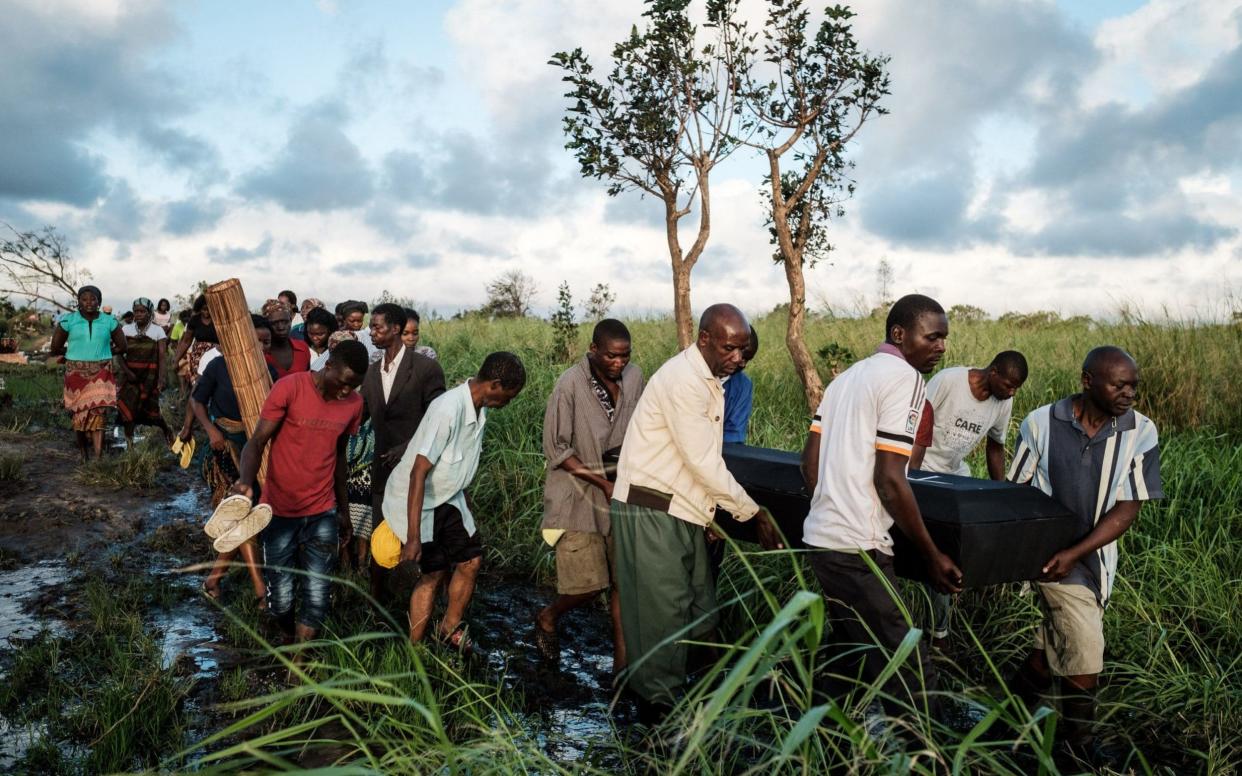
x=302 y=458
x=301 y=359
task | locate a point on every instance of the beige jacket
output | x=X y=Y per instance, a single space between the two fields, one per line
x=673 y=445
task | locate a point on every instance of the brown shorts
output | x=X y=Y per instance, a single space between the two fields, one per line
x=1072 y=632
x=583 y=563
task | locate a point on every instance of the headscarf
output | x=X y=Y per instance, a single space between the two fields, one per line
x=142 y=301
x=340 y=336
x=310 y=304
x=275 y=305
x=92 y=289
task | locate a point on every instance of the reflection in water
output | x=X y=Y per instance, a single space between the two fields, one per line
x=18 y=590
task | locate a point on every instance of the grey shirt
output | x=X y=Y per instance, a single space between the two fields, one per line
x=576 y=424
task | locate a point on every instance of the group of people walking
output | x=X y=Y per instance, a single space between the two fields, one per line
x=372 y=456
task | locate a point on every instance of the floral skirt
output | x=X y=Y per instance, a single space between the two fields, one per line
x=90 y=391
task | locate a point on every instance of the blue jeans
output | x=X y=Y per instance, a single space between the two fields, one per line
x=309 y=546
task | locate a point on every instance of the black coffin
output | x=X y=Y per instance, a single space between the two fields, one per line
x=995 y=531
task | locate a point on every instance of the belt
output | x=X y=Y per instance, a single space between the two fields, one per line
x=649 y=498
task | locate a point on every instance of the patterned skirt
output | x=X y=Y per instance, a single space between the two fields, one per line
x=221 y=468
x=90 y=391
x=358 y=480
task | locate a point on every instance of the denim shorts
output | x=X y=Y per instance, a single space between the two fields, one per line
x=301 y=553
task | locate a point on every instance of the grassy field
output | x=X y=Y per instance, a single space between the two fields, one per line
x=1171 y=684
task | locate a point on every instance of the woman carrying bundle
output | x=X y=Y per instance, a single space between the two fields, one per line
x=214 y=403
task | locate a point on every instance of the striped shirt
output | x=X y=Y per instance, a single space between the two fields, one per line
x=1089 y=475
x=875 y=405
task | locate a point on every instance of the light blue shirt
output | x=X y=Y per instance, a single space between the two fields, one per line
x=88 y=340
x=450 y=436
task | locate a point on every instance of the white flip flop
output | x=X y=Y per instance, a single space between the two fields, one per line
x=228 y=512
x=244 y=529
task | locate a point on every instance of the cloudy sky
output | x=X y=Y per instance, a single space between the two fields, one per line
x=1074 y=155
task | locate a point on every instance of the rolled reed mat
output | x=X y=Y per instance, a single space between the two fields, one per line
x=243 y=355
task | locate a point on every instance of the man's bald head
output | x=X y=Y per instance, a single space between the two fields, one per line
x=720 y=314
x=724 y=333
x=1104 y=357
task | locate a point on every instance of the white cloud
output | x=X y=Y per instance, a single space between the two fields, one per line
x=1162 y=46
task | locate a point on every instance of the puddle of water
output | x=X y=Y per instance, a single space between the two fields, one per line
x=187 y=633
x=16 y=738
x=116 y=439
x=187 y=504
x=18 y=588
x=567 y=707
x=962 y=715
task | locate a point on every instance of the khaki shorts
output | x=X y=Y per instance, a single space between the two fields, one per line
x=583 y=563
x=1072 y=632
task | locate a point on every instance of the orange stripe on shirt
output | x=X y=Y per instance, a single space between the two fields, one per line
x=891 y=449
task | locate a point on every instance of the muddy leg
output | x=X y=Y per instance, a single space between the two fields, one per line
x=421 y=602
x=84 y=443
x=211 y=585
x=551 y=614
x=129 y=435
x=97 y=443
x=250 y=554
x=461 y=588
x=362 y=553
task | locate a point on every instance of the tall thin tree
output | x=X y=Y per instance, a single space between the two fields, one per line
x=661 y=120
x=822 y=89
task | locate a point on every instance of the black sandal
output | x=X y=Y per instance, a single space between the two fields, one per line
x=548 y=644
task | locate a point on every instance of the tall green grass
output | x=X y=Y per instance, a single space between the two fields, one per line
x=365 y=699
x=1171 y=688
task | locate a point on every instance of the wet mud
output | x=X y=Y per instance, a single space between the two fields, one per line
x=55 y=532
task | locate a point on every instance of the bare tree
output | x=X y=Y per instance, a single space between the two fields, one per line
x=510 y=295
x=884 y=282
x=821 y=91
x=661 y=120
x=37 y=266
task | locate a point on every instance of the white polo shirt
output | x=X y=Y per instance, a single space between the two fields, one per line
x=874 y=405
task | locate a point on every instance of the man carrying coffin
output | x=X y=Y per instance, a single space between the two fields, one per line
x=1101 y=459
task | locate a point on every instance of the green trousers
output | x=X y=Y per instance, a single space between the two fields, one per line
x=667 y=594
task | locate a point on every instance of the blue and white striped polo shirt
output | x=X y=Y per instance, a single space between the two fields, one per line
x=1089 y=474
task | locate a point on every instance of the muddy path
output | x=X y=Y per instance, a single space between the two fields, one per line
x=59 y=536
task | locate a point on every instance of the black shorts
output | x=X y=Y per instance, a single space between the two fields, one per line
x=450 y=544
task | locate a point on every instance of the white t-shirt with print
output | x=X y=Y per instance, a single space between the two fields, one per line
x=874 y=405
x=961 y=420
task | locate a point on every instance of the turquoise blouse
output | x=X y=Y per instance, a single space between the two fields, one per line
x=88 y=340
